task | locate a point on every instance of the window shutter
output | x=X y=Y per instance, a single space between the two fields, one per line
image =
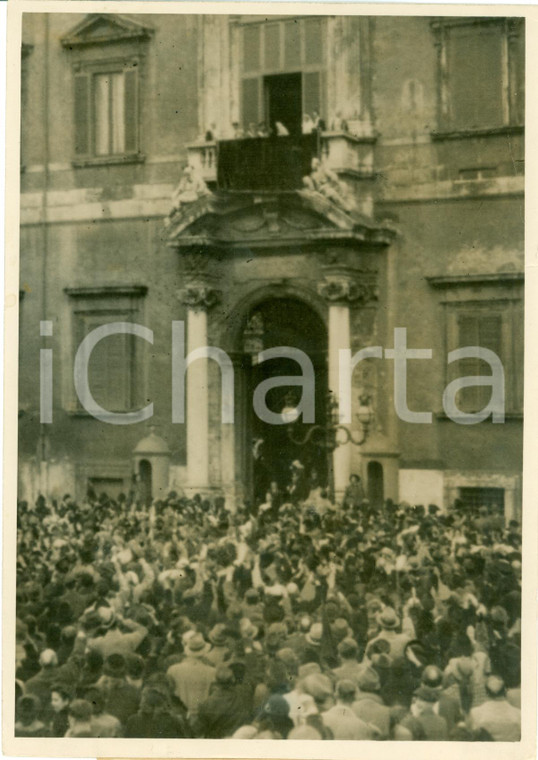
x=110 y=371
x=251 y=47
x=518 y=64
x=311 y=92
x=467 y=398
x=483 y=331
x=292 y=45
x=313 y=41
x=82 y=114
x=131 y=110
x=251 y=98
x=271 y=39
x=489 y=333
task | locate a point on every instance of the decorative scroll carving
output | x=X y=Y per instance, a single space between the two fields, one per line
x=199 y=297
x=349 y=291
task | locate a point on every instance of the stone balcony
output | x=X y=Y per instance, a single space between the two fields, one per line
x=281 y=162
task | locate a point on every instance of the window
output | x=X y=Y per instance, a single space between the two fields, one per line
x=481 y=73
x=484 y=330
x=26 y=49
x=474 y=498
x=115 y=366
x=487 y=311
x=106 y=112
x=282 y=72
x=106 y=51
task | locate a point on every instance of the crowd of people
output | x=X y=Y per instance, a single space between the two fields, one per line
x=298 y=620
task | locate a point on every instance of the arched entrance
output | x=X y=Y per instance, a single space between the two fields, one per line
x=268 y=448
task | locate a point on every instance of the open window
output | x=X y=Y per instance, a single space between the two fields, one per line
x=282 y=72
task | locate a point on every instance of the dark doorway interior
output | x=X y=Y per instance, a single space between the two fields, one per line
x=283 y=101
x=145 y=480
x=283 y=322
x=375 y=484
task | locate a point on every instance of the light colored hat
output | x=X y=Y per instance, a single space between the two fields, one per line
x=48 y=658
x=388 y=618
x=368 y=680
x=315 y=634
x=106 y=616
x=197 y=646
x=247 y=629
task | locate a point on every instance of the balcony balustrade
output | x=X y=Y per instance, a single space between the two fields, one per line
x=280 y=163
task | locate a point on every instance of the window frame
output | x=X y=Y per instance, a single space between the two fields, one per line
x=261 y=71
x=112 y=304
x=480 y=295
x=89 y=71
x=512 y=30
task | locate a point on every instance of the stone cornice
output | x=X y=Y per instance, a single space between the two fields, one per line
x=457 y=281
x=105 y=291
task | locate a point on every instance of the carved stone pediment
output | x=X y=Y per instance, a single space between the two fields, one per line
x=99 y=28
x=299 y=217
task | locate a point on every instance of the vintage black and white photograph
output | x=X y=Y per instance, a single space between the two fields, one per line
x=270 y=376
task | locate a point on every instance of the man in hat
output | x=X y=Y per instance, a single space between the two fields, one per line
x=422 y=721
x=497 y=716
x=349 y=667
x=224 y=710
x=121 y=698
x=341 y=718
x=368 y=704
x=389 y=622
x=354 y=494
x=40 y=684
x=219 y=651
x=193 y=676
x=79 y=717
x=118 y=635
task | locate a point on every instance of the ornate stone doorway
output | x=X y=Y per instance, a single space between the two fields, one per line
x=268 y=449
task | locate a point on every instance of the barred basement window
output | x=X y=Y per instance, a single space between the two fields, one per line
x=474 y=498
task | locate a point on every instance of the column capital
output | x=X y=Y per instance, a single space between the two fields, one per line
x=199 y=297
x=342 y=289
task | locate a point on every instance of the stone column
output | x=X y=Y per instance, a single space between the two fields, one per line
x=337 y=290
x=341 y=289
x=198 y=298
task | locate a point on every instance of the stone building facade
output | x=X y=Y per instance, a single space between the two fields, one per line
x=412 y=218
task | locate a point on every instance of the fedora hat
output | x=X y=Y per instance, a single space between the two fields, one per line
x=427 y=694
x=217 y=635
x=368 y=680
x=196 y=645
x=315 y=634
x=115 y=666
x=388 y=619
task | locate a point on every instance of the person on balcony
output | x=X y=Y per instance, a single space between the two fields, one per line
x=263 y=131
x=281 y=129
x=307 y=124
x=238 y=131
x=252 y=130
x=319 y=123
